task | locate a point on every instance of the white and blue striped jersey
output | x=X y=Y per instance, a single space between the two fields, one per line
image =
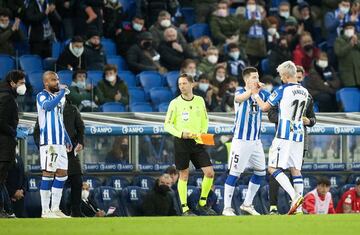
x=291 y=99
x=52 y=129
x=248 y=117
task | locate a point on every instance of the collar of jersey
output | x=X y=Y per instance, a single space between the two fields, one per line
x=186 y=99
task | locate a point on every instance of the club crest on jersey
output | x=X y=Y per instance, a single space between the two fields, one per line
x=185 y=115
x=274 y=94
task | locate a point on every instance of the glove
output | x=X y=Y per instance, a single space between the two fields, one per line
x=21 y=133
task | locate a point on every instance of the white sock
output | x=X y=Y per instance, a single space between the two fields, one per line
x=299 y=188
x=45 y=193
x=250 y=194
x=56 y=192
x=228 y=194
x=285 y=183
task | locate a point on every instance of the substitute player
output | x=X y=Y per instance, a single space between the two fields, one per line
x=186 y=118
x=287 y=147
x=54 y=144
x=246 y=147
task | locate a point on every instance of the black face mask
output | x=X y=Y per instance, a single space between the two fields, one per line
x=308 y=48
x=291 y=31
x=147 y=45
x=232 y=90
x=205 y=46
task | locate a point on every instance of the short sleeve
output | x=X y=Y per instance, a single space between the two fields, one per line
x=276 y=96
x=41 y=99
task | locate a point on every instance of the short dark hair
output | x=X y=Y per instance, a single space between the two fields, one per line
x=171 y=170
x=14 y=76
x=5 y=12
x=77 y=39
x=300 y=69
x=110 y=67
x=324 y=181
x=232 y=46
x=79 y=71
x=248 y=70
x=187 y=76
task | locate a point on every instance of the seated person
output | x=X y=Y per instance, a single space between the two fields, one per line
x=350 y=200
x=200 y=46
x=220 y=81
x=95 y=57
x=188 y=66
x=111 y=88
x=236 y=60
x=174 y=174
x=319 y=200
x=119 y=152
x=305 y=53
x=158 y=202
x=227 y=103
x=81 y=93
x=88 y=205
x=208 y=64
x=205 y=90
x=73 y=56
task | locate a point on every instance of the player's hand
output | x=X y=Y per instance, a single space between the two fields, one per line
x=306 y=121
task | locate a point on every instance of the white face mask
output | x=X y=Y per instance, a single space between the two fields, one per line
x=235 y=55
x=322 y=63
x=78 y=51
x=81 y=84
x=344 y=10
x=192 y=73
x=306 y=17
x=4 y=26
x=272 y=31
x=21 y=89
x=85 y=194
x=113 y=1
x=220 y=78
x=204 y=86
x=213 y=59
x=251 y=7
x=284 y=14
x=110 y=78
x=137 y=27
x=349 y=33
x=165 y=23
x=222 y=12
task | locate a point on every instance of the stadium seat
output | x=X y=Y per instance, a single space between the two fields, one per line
x=32 y=197
x=160 y=95
x=35 y=80
x=109 y=46
x=65 y=203
x=56 y=49
x=108 y=198
x=137 y=94
x=189 y=15
x=128 y=77
x=112 y=107
x=132 y=198
x=140 y=107
x=283 y=202
x=265 y=66
x=196 y=31
x=95 y=76
x=150 y=79
x=239 y=197
x=65 y=77
x=336 y=180
x=309 y=182
x=349 y=99
x=172 y=80
x=195 y=180
x=118 y=182
x=264 y=198
x=49 y=63
x=353 y=178
x=335 y=193
x=144 y=182
x=219 y=191
x=31 y=63
x=93 y=182
x=7 y=63
x=163 y=107
x=118 y=61
x=129 y=7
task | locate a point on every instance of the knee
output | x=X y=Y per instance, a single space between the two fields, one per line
x=61 y=173
x=184 y=175
x=209 y=173
x=271 y=170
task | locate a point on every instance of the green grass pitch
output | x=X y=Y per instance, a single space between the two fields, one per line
x=219 y=225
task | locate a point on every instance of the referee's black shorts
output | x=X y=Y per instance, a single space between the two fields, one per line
x=187 y=150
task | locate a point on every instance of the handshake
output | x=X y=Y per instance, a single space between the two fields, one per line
x=22 y=132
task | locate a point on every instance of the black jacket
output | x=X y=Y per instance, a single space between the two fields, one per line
x=126 y=39
x=158 y=203
x=138 y=61
x=9 y=120
x=95 y=58
x=67 y=58
x=7 y=38
x=16 y=179
x=89 y=208
x=170 y=58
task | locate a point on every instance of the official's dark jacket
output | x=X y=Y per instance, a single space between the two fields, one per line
x=9 y=120
x=16 y=179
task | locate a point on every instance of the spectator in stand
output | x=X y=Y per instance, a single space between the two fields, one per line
x=279 y=54
x=283 y=14
x=208 y=64
x=306 y=20
x=204 y=9
x=200 y=46
x=73 y=56
x=322 y=83
x=9 y=34
x=90 y=17
x=347 y=50
x=111 y=88
x=319 y=200
x=151 y=9
x=174 y=174
x=88 y=205
x=126 y=36
x=227 y=103
x=66 y=9
x=119 y=152
x=172 y=51
x=273 y=35
x=158 y=202
x=305 y=53
x=157 y=29
x=82 y=94
x=219 y=81
x=204 y=89
x=236 y=60
x=189 y=67
x=37 y=14
x=16 y=7
x=113 y=17
x=292 y=32
x=143 y=57
x=95 y=57
x=350 y=200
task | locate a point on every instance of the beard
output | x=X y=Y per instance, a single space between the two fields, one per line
x=54 y=89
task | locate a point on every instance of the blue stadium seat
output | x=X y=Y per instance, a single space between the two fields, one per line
x=160 y=95
x=353 y=178
x=141 y=107
x=239 y=197
x=196 y=31
x=144 y=182
x=93 y=182
x=95 y=76
x=265 y=66
x=35 y=80
x=56 y=49
x=172 y=80
x=335 y=193
x=219 y=191
x=7 y=63
x=129 y=7
x=283 y=202
x=117 y=182
x=118 y=61
x=32 y=197
x=132 y=198
x=107 y=197
x=31 y=63
x=189 y=15
x=65 y=77
x=163 y=107
x=109 y=46
x=310 y=182
x=195 y=180
x=137 y=94
x=65 y=203
x=336 y=180
x=49 y=63
x=112 y=107
x=349 y=99
x=128 y=77
x=264 y=198
x=150 y=79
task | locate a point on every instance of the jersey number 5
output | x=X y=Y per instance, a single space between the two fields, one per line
x=296 y=108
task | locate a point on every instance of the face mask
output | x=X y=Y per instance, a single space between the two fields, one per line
x=204 y=86
x=251 y=7
x=165 y=23
x=21 y=89
x=344 y=10
x=81 y=84
x=349 y=33
x=78 y=51
x=192 y=73
x=291 y=31
x=110 y=78
x=147 y=45
x=308 y=47
x=137 y=27
x=235 y=55
x=268 y=88
x=113 y=1
x=4 y=26
x=272 y=31
x=220 y=78
x=85 y=194
x=322 y=63
x=205 y=46
x=284 y=14
x=306 y=17
x=222 y=12
x=212 y=59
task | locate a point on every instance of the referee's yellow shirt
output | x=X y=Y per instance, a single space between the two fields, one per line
x=186 y=116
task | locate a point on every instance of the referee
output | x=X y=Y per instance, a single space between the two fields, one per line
x=186 y=117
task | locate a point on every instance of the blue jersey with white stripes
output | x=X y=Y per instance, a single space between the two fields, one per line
x=248 y=117
x=291 y=99
x=52 y=129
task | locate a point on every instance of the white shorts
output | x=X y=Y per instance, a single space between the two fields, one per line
x=286 y=153
x=53 y=157
x=245 y=153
